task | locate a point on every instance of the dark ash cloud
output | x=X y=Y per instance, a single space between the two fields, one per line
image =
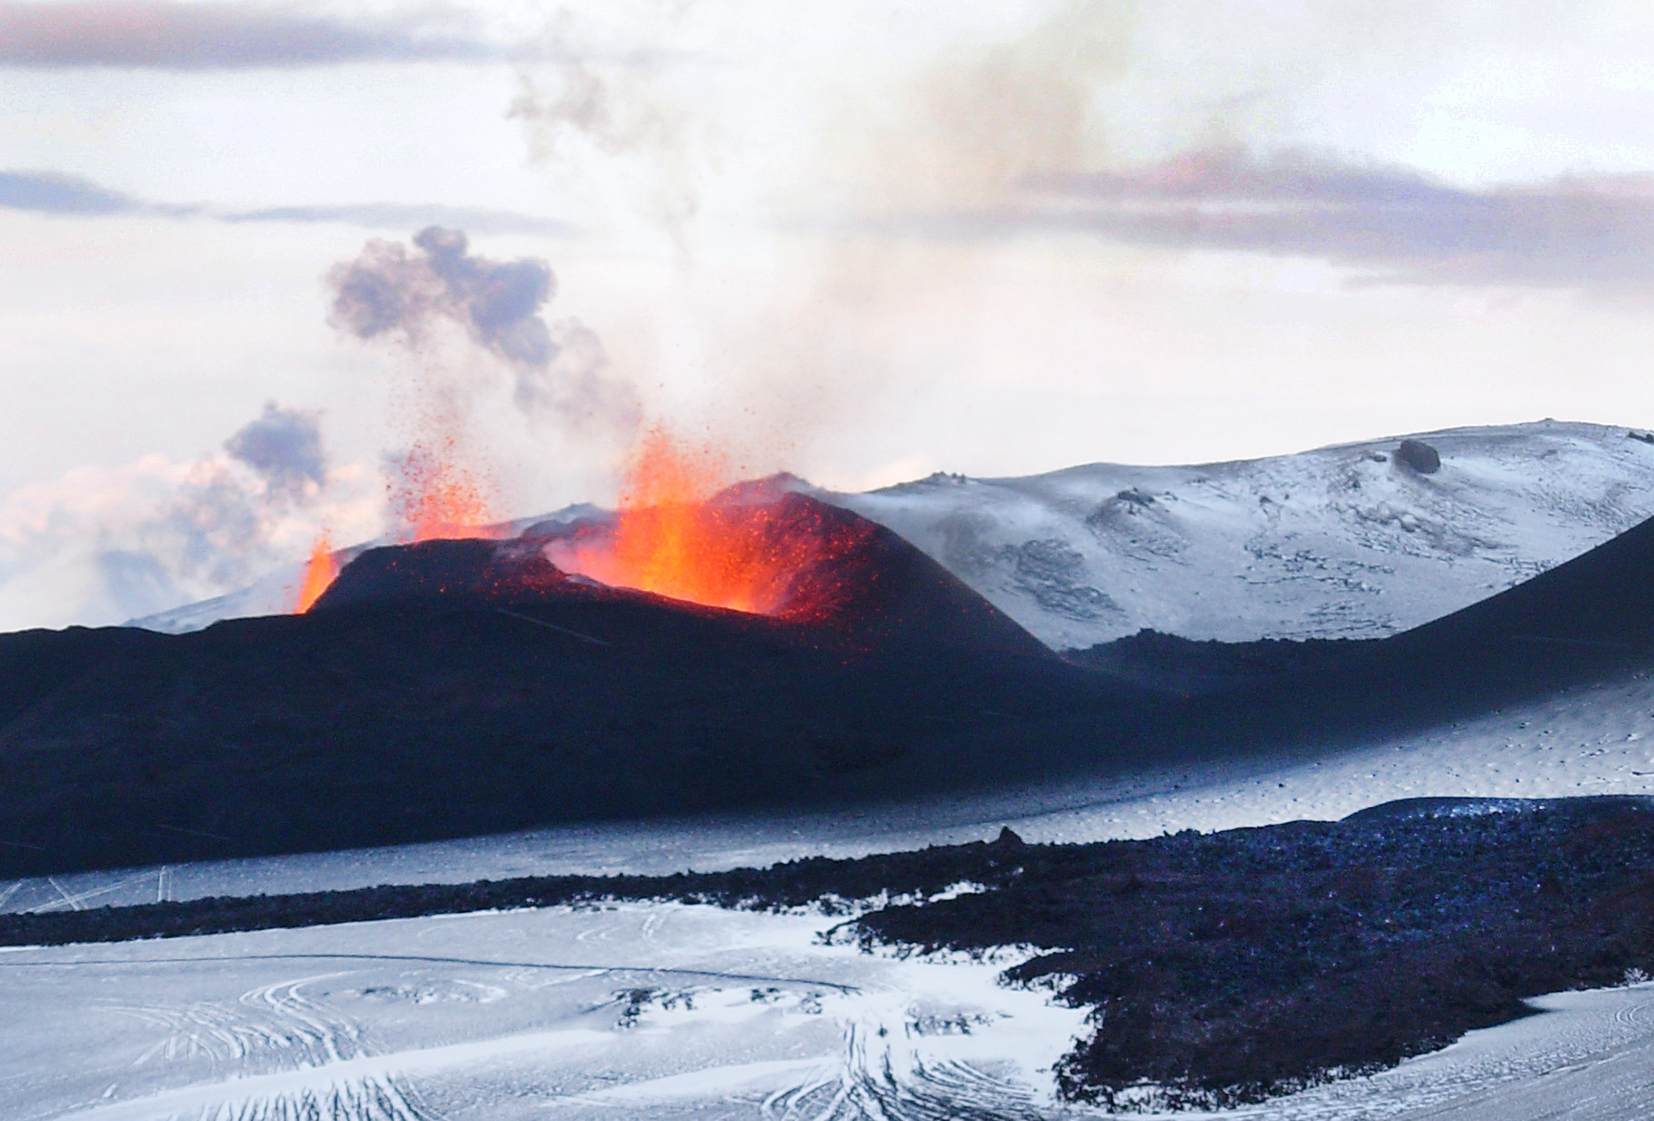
x=559 y=368
x=1394 y=225
x=168 y=35
x=285 y=447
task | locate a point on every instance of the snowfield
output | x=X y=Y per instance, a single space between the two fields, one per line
x=1346 y=541
x=656 y=1011
x=632 y=1011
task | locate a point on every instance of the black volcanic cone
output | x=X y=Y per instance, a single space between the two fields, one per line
x=854 y=579
x=467 y=569
x=463 y=687
x=857 y=586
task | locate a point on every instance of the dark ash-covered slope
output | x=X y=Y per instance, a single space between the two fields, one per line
x=460 y=688
x=455 y=688
x=1586 y=620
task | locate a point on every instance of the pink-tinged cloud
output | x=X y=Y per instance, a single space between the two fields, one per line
x=166 y=35
x=1389 y=225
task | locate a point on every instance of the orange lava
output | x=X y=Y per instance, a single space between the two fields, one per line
x=318 y=574
x=670 y=538
x=438 y=498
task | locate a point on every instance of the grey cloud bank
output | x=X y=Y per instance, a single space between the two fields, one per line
x=48 y=192
x=165 y=35
x=51 y=192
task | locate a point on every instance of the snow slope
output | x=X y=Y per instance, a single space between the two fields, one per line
x=657 y=1011
x=1345 y=541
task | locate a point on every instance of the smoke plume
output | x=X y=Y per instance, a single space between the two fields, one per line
x=285 y=447
x=559 y=369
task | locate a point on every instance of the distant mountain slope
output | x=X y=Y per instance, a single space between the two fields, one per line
x=1344 y=541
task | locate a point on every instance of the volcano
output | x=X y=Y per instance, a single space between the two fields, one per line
x=458 y=687
x=462 y=687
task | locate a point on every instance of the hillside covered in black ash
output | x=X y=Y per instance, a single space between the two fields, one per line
x=459 y=688
x=1219 y=968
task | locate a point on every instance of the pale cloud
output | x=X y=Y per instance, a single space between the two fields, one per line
x=100 y=545
x=392 y=216
x=167 y=35
x=1386 y=224
x=51 y=192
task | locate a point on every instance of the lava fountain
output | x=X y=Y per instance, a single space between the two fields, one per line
x=679 y=533
x=319 y=572
x=437 y=497
x=434 y=496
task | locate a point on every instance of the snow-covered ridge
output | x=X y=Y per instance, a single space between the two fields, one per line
x=1343 y=541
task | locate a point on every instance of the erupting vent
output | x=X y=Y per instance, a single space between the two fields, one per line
x=675 y=535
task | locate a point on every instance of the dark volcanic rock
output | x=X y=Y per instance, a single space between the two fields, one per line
x=1420 y=456
x=446 y=570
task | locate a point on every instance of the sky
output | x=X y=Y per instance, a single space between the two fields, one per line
x=858 y=241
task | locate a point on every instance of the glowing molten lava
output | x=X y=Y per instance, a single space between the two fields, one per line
x=318 y=574
x=433 y=496
x=436 y=497
x=674 y=536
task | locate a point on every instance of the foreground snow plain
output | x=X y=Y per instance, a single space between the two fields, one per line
x=533 y=1013
x=630 y=1011
x=657 y=1011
